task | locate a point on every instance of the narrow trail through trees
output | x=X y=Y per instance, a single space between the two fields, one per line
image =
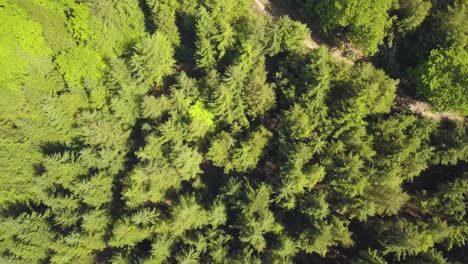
x=265 y=7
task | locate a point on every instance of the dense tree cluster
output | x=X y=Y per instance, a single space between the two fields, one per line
x=421 y=41
x=164 y=131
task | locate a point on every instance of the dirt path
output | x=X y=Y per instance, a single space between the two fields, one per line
x=265 y=8
x=260 y=7
x=422 y=109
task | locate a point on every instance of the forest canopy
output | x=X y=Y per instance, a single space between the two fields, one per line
x=218 y=131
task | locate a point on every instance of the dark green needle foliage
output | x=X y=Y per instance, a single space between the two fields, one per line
x=200 y=131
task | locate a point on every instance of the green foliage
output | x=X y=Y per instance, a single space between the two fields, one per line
x=367 y=21
x=442 y=82
x=79 y=21
x=450 y=142
x=247 y=156
x=17 y=173
x=223 y=151
x=219 y=152
x=53 y=20
x=164 y=18
x=155 y=107
x=26 y=238
x=126 y=233
x=287 y=34
x=449 y=200
x=205 y=49
x=96 y=191
x=161 y=250
x=366 y=90
x=116 y=26
x=432 y=256
x=200 y=114
x=257 y=218
x=369 y=257
x=199 y=131
x=153 y=59
x=21 y=41
x=80 y=63
x=260 y=95
x=402 y=146
x=294 y=34
x=453 y=23
x=412 y=14
x=327 y=234
x=404 y=239
x=215 y=29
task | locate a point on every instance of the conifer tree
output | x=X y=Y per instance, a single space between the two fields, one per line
x=201 y=131
x=153 y=59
